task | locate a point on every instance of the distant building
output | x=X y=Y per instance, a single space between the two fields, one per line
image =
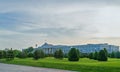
x=88 y=48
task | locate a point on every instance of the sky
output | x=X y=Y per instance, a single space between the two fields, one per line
x=24 y=23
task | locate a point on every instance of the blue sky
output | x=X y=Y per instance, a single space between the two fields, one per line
x=25 y=23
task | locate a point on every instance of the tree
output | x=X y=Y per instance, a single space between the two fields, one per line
x=91 y=56
x=96 y=55
x=10 y=55
x=1 y=54
x=73 y=55
x=58 y=54
x=38 y=54
x=102 y=56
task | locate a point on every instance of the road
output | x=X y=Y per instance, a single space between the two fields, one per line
x=19 y=68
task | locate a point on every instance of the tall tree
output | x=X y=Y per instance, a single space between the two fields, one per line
x=96 y=55
x=73 y=55
x=102 y=56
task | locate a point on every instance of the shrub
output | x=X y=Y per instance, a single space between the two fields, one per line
x=73 y=55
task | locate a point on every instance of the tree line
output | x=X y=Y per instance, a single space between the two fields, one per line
x=73 y=55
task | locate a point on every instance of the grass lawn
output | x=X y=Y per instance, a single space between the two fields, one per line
x=83 y=65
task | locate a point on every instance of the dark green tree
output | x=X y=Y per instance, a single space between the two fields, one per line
x=73 y=55
x=102 y=56
x=96 y=55
x=58 y=54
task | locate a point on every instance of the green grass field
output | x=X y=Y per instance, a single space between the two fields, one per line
x=84 y=64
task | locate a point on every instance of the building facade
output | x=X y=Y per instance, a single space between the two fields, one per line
x=88 y=48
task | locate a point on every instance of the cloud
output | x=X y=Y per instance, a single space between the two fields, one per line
x=36 y=20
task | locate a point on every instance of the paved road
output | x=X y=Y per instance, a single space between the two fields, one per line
x=18 y=68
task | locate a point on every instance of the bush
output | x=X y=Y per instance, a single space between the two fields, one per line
x=73 y=55
x=102 y=56
x=58 y=54
x=38 y=54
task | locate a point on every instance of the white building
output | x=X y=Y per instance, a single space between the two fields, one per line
x=88 y=48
